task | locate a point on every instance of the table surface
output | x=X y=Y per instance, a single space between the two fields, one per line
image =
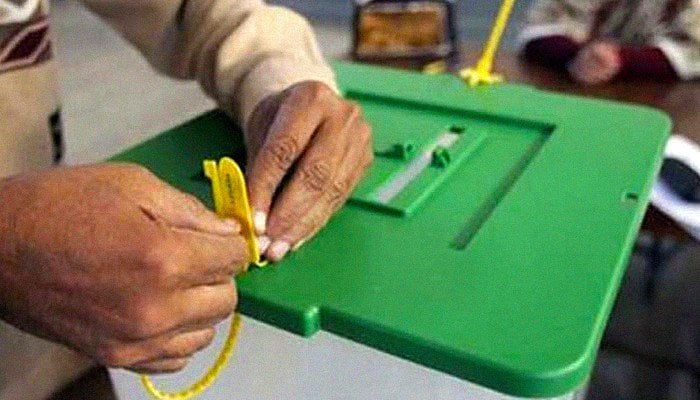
x=680 y=100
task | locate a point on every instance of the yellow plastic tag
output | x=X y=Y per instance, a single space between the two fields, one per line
x=482 y=73
x=209 y=377
x=230 y=201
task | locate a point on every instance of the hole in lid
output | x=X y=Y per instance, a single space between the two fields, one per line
x=630 y=197
x=458 y=128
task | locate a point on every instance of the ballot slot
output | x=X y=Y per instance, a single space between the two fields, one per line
x=420 y=148
x=517 y=167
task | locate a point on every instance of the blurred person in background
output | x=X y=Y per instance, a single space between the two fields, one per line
x=598 y=41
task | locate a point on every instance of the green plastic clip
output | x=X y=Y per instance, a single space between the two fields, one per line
x=458 y=129
x=399 y=151
x=441 y=157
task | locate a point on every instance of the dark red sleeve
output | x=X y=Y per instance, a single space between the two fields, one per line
x=552 y=51
x=645 y=62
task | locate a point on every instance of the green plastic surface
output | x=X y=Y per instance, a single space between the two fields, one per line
x=499 y=263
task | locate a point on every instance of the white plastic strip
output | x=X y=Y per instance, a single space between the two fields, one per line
x=398 y=183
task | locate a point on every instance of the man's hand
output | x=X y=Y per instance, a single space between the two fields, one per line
x=114 y=263
x=597 y=63
x=307 y=150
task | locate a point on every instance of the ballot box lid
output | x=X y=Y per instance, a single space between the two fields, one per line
x=488 y=239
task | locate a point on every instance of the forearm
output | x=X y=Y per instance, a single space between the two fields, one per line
x=10 y=191
x=10 y=206
x=240 y=51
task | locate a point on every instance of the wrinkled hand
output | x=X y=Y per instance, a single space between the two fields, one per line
x=597 y=63
x=308 y=149
x=114 y=263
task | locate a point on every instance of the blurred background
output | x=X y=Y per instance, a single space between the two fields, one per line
x=112 y=99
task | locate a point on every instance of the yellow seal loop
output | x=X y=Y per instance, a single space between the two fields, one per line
x=203 y=383
x=230 y=201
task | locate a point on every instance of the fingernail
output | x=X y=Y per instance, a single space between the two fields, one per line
x=278 y=250
x=298 y=245
x=260 y=222
x=263 y=244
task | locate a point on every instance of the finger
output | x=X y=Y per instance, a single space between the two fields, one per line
x=574 y=68
x=309 y=182
x=184 y=211
x=606 y=75
x=583 y=58
x=582 y=73
x=313 y=174
x=601 y=62
x=598 y=54
x=166 y=347
x=206 y=259
x=318 y=217
x=320 y=181
x=161 y=366
x=342 y=191
x=204 y=305
x=192 y=309
x=294 y=126
x=590 y=62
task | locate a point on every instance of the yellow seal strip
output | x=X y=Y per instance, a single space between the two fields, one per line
x=201 y=385
x=482 y=73
x=230 y=201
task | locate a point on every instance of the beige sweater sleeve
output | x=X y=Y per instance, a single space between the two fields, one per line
x=239 y=50
x=573 y=18
x=681 y=43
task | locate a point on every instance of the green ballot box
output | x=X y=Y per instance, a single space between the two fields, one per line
x=487 y=241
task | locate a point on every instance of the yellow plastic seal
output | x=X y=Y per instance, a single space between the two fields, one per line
x=482 y=73
x=230 y=201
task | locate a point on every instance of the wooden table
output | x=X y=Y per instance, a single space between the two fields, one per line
x=681 y=100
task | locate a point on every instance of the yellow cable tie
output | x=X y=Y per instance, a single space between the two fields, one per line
x=230 y=201
x=482 y=73
x=209 y=377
